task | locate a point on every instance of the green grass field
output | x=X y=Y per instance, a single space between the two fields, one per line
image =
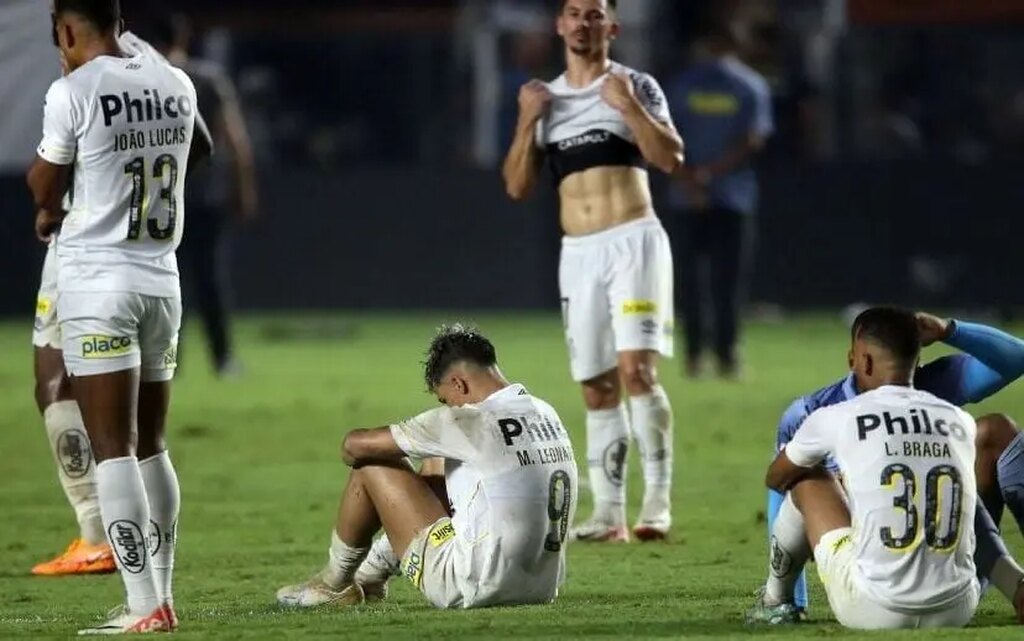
x=260 y=472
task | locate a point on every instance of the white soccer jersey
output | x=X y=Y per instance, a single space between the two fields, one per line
x=126 y=124
x=581 y=130
x=907 y=459
x=511 y=478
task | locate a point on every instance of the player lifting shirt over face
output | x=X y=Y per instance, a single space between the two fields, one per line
x=600 y=125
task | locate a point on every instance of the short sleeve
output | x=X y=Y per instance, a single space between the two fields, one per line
x=810 y=445
x=790 y=422
x=652 y=97
x=436 y=432
x=59 y=141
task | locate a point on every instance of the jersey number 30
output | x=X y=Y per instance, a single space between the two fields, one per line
x=165 y=169
x=938 y=540
x=559 y=500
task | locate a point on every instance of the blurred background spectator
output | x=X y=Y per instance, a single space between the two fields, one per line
x=377 y=126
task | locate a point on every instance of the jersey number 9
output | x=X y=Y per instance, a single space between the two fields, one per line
x=559 y=500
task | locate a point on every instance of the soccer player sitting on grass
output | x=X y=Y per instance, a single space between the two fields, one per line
x=893 y=544
x=992 y=360
x=509 y=471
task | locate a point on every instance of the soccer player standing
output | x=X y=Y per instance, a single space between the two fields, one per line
x=600 y=124
x=124 y=123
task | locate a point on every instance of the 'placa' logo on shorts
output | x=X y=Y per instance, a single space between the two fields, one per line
x=105 y=346
x=639 y=307
x=442 y=533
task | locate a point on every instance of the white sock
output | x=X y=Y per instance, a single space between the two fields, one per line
x=651 y=418
x=343 y=561
x=788 y=553
x=161 y=483
x=1006 y=575
x=380 y=564
x=70 y=446
x=125 y=512
x=607 y=449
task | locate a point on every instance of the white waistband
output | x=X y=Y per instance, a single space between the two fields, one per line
x=612 y=233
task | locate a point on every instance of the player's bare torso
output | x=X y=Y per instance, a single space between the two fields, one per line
x=600 y=198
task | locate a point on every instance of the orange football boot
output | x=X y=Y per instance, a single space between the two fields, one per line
x=79 y=558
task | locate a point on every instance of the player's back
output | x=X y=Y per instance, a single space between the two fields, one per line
x=513 y=497
x=908 y=467
x=131 y=120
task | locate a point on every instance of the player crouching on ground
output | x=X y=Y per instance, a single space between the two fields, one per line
x=509 y=471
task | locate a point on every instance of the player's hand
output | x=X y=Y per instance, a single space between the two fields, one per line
x=247 y=204
x=47 y=224
x=696 y=192
x=931 y=328
x=617 y=91
x=534 y=99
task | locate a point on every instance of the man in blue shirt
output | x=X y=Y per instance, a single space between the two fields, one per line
x=990 y=360
x=723 y=107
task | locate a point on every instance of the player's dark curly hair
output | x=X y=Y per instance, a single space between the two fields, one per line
x=453 y=344
x=612 y=4
x=893 y=328
x=105 y=15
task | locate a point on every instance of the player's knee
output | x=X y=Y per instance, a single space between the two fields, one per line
x=602 y=392
x=638 y=377
x=995 y=433
x=51 y=389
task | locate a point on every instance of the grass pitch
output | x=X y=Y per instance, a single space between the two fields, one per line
x=261 y=475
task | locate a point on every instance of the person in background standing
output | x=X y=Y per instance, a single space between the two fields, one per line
x=723 y=108
x=222 y=192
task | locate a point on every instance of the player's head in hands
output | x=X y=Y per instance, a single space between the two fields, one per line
x=461 y=366
x=885 y=347
x=84 y=29
x=588 y=27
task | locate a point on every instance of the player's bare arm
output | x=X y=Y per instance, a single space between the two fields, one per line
x=659 y=142
x=236 y=136
x=202 y=143
x=783 y=473
x=370 y=445
x=48 y=183
x=732 y=159
x=522 y=164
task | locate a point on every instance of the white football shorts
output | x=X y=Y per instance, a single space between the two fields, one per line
x=46 y=330
x=104 y=333
x=616 y=289
x=429 y=564
x=836 y=560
